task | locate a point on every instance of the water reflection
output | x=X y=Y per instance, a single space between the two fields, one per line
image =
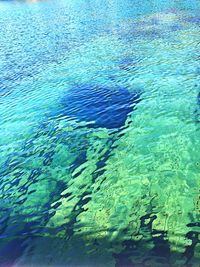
x=122 y=190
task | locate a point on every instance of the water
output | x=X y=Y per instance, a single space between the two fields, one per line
x=100 y=137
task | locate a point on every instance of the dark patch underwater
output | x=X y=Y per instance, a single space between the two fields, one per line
x=98 y=106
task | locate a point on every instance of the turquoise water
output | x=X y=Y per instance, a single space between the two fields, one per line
x=100 y=137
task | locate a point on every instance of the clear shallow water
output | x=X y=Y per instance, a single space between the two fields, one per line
x=78 y=189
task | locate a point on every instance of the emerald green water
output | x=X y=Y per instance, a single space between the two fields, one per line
x=77 y=195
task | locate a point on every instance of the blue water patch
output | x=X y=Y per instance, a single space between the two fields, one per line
x=99 y=106
x=128 y=63
x=195 y=20
x=176 y=27
x=198 y=99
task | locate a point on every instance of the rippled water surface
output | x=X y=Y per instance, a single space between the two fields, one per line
x=100 y=133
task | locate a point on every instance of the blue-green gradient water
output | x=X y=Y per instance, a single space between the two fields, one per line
x=100 y=133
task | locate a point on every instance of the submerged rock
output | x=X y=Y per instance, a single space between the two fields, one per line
x=99 y=106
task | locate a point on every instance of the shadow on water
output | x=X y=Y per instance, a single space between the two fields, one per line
x=197 y=110
x=97 y=106
x=100 y=107
x=91 y=248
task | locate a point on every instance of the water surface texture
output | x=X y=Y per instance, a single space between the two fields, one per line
x=100 y=133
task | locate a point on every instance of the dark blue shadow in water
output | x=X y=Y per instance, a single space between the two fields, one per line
x=128 y=63
x=198 y=99
x=197 y=110
x=100 y=107
x=195 y=20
